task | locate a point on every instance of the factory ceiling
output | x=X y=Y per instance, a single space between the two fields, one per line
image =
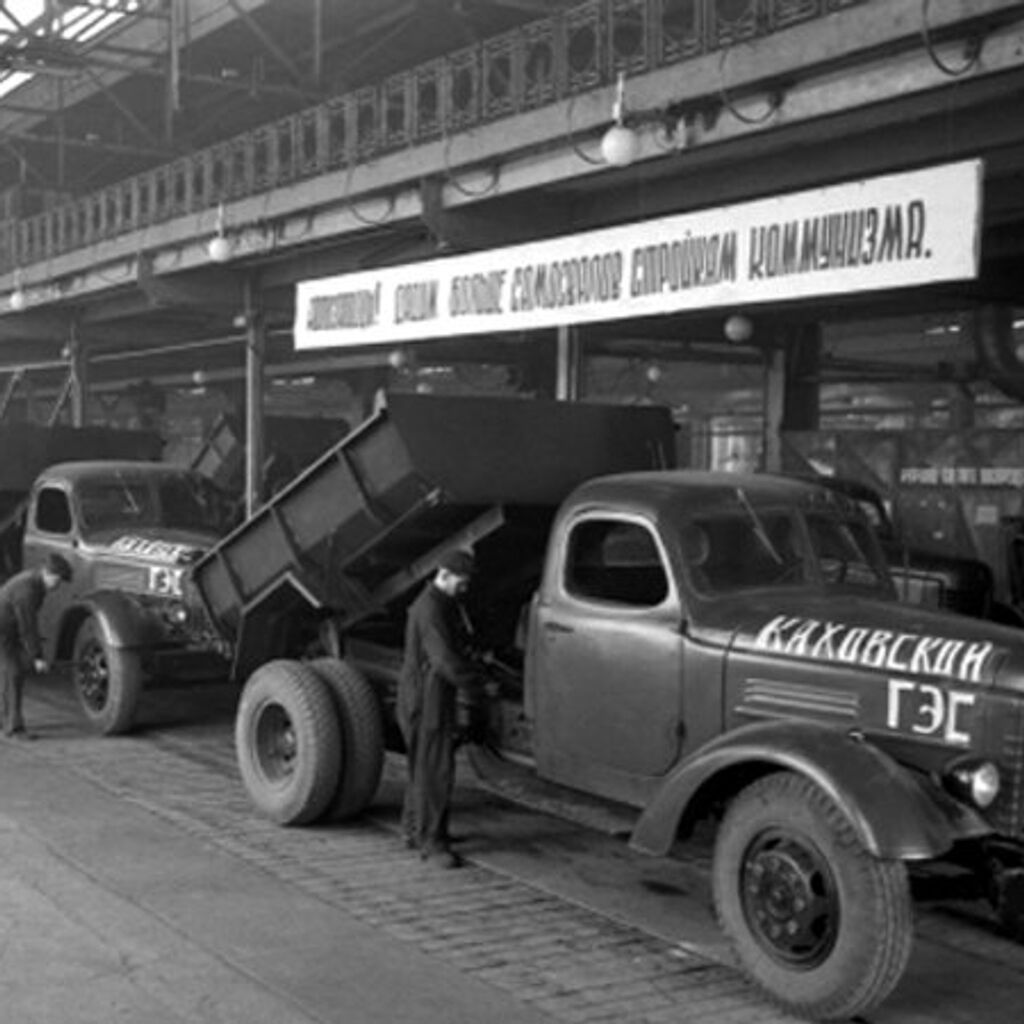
x=93 y=92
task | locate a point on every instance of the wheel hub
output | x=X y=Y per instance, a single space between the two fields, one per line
x=276 y=744
x=93 y=679
x=790 y=899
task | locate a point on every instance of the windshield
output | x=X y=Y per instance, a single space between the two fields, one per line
x=847 y=552
x=131 y=501
x=747 y=548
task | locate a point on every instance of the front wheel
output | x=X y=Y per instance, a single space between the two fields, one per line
x=820 y=924
x=107 y=680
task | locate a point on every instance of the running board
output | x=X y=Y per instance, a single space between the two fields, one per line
x=519 y=785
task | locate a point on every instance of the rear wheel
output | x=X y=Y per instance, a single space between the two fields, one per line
x=107 y=680
x=362 y=737
x=820 y=924
x=287 y=742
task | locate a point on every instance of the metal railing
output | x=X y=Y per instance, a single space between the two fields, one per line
x=541 y=63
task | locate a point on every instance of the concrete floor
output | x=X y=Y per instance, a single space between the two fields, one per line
x=113 y=914
x=139 y=886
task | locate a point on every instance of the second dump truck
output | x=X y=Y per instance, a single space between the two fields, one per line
x=691 y=646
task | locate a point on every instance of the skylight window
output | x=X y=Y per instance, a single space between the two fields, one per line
x=34 y=43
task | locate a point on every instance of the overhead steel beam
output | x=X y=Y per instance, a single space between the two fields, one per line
x=123 y=109
x=95 y=144
x=318 y=42
x=879 y=88
x=158 y=71
x=24 y=164
x=221 y=290
x=268 y=42
x=208 y=16
x=34 y=326
x=155 y=13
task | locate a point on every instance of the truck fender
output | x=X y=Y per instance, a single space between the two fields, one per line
x=122 y=623
x=896 y=814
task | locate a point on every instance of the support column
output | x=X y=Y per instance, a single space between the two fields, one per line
x=774 y=404
x=802 y=403
x=961 y=408
x=318 y=42
x=255 y=360
x=567 y=373
x=791 y=390
x=78 y=372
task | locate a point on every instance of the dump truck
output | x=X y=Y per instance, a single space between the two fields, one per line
x=29 y=448
x=130 y=618
x=290 y=444
x=690 y=648
x=129 y=526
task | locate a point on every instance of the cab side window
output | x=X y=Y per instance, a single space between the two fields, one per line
x=612 y=560
x=53 y=511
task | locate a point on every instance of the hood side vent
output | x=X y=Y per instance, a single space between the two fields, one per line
x=772 y=698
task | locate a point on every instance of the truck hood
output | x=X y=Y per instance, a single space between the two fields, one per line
x=886 y=636
x=153 y=546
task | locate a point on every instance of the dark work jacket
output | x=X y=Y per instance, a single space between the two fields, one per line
x=435 y=662
x=20 y=600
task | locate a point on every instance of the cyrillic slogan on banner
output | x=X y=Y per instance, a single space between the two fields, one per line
x=894 y=231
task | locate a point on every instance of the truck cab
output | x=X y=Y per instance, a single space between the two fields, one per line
x=688 y=647
x=648 y=579
x=130 y=615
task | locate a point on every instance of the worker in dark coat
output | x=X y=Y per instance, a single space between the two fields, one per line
x=21 y=597
x=437 y=664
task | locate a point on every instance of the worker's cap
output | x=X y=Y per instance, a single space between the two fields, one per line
x=59 y=566
x=458 y=563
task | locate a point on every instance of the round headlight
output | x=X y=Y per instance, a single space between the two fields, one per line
x=176 y=614
x=977 y=781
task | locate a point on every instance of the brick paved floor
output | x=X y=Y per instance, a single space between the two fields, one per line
x=571 y=961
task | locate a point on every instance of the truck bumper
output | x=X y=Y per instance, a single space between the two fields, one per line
x=168 y=666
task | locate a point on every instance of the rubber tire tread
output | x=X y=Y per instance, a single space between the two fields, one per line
x=124 y=683
x=876 y=917
x=306 y=700
x=362 y=737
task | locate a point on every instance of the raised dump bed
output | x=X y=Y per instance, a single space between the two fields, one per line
x=291 y=444
x=367 y=521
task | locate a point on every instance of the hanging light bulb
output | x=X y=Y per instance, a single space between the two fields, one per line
x=220 y=248
x=18 y=299
x=620 y=143
x=738 y=328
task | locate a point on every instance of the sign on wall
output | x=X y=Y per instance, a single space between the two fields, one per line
x=894 y=231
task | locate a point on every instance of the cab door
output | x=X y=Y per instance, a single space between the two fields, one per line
x=607 y=660
x=51 y=529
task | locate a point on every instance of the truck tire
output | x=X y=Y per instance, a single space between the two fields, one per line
x=823 y=927
x=362 y=737
x=287 y=742
x=107 y=680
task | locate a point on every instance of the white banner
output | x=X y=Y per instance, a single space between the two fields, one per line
x=895 y=231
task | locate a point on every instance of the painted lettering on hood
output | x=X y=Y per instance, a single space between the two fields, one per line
x=885 y=649
x=157 y=550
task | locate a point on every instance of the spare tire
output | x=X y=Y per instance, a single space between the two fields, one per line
x=362 y=737
x=287 y=742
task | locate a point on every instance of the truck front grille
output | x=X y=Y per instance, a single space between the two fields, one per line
x=121 y=577
x=1007 y=814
